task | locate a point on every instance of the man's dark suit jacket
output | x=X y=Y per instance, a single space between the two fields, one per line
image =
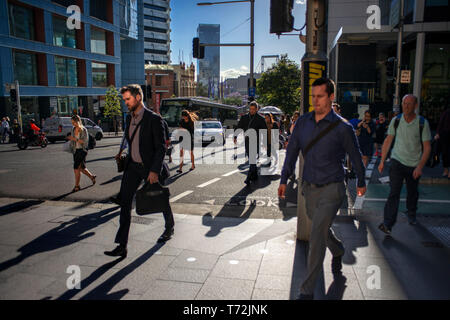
x=152 y=145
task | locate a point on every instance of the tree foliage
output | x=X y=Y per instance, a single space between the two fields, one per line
x=280 y=86
x=202 y=91
x=112 y=103
x=233 y=100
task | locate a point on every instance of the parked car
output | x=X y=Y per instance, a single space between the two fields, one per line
x=57 y=128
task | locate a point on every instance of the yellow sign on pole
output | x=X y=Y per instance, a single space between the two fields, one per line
x=405 y=76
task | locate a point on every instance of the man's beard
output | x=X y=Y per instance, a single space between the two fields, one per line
x=133 y=108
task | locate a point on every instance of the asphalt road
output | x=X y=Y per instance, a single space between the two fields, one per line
x=218 y=179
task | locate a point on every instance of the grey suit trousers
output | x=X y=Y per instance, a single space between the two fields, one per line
x=322 y=205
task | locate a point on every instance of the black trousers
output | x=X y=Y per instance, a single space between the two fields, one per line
x=445 y=149
x=397 y=173
x=132 y=178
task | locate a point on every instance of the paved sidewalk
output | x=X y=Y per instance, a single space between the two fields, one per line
x=208 y=258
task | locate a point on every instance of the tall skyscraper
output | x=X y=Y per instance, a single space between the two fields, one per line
x=209 y=67
x=157 y=31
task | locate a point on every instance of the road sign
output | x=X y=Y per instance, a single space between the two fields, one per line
x=252 y=91
x=405 y=76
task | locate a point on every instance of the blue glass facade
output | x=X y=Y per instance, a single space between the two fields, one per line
x=63 y=66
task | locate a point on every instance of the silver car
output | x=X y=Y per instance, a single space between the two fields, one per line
x=208 y=131
x=57 y=128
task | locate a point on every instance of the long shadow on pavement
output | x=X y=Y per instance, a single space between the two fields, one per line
x=239 y=212
x=63 y=235
x=19 y=206
x=101 y=291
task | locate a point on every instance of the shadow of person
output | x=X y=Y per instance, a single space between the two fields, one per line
x=113 y=179
x=299 y=268
x=101 y=291
x=63 y=235
x=241 y=211
x=337 y=288
x=351 y=236
x=18 y=206
x=288 y=205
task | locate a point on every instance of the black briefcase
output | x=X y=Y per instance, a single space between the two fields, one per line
x=152 y=198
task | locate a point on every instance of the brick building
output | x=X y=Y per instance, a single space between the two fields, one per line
x=161 y=79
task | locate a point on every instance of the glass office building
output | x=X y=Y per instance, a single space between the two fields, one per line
x=157 y=31
x=209 y=67
x=62 y=65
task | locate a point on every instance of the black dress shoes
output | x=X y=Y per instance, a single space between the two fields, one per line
x=166 y=235
x=119 y=251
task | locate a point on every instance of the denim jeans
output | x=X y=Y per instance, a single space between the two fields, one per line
x=397 y=173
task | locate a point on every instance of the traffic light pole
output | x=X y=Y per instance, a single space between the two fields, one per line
x=396 y=107
x=314 y=63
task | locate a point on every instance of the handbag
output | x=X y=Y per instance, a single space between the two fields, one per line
x=434 y=158
x=152 y=198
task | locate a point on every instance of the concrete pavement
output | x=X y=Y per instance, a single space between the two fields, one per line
x=209 y=257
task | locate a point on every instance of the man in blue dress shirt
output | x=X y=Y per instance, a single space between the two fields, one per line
x=323 y=177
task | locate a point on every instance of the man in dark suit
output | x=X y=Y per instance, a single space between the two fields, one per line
x=252 y=121
x=146 y=151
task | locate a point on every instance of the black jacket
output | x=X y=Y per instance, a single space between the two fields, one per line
x=152 y=145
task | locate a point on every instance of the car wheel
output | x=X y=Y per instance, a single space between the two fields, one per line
x=98 y=136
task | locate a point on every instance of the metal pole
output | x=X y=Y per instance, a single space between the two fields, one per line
x=399 y=59
x=252 y=43
x=19 y=108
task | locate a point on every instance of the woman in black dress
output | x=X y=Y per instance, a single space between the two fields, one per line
x=367 y=127
x=187 y=123
x=381 y=127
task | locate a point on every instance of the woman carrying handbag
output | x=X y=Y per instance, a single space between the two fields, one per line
x=79 y=142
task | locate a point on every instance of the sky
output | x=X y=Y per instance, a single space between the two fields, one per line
x=234 y=28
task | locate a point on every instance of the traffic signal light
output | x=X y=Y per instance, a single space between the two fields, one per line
x=13 y=95
x=391 y=66
x=198 y=51
x=281 y=18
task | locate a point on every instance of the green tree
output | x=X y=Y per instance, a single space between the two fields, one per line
x=112 y=106
x=233 y=101
x=202 y=91
x=280 y=86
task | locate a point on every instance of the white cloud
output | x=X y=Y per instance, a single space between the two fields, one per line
x=233 y=73
x=244 y=68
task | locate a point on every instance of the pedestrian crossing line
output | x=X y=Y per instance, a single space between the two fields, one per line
x=181 y=195
x=359 y=201
x=404 y=199
x=230 y=173
x=208 y=183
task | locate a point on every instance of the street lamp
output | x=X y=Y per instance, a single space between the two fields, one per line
x=252 y=34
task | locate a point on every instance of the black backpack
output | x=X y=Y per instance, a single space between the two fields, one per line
x=92 y=143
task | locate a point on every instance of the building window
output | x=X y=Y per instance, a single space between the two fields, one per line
x=158 y=81
x=25 y=70
x=99 y=74
x=66 y=72
x=65 y=3
x=153 y=40
x=98 y=41
x=146 y=16
x=98 y=10
x=21 y=22
x=155 y=51
x=151 y=6
x=155 y=29
x=63 y=36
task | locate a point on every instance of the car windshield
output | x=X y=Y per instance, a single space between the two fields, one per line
x=211 y=125
x=66 y=121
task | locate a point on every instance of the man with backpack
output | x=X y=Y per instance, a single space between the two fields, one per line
x=410 y=136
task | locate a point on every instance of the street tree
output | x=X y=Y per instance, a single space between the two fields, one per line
x=112 y=108
x=233 y=100
x=280 y=86
x=202 y=91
